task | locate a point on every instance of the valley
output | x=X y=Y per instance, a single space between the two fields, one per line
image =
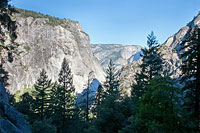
x=53 y=80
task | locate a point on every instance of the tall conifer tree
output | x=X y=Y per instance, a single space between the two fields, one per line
x=150 y=67
x=111 y=84
x=98 y=100
x=159 y=109
x=109 y=116
x=191 y=73
x=64 y=93
x=41 y=94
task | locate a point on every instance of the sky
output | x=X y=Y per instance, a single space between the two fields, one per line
x=120 y=21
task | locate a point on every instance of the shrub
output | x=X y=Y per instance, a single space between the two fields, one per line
x=27 y=48
x=44 y=126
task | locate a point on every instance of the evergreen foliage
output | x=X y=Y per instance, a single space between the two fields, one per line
x=111 y=84
x=191 y=75
x=6 y=22
x=98 y=100
x=151 y=66
x=158 y=109
x=65 y=98
x=24 y=104
x=109 y=116
x=41 y=94
x=52 y=21
x=6 y=50
x=156 y=103
x=51 y=104
x=43 y=126
x=3 y=3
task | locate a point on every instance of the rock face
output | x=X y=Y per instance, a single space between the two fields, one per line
x=120 y=54
x=170 y=50
x=93 y=88
x=174 y=41
x=126 y=76
x=44 y=42
x=3 y=94
x=11 y=121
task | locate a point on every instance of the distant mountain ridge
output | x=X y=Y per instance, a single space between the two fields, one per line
x=119 y=53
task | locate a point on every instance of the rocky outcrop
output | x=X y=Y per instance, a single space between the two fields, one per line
x=43 y=43
x=120 y=54
x=174 y=41
x=81 y=97
x=126 y=76
x=3 y=94
x=170 y=51
x=11 y=121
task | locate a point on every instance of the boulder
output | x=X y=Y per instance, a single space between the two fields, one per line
x=7 y=127
x=3 y=94
x=11 y=121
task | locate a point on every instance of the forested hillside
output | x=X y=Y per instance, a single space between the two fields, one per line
x=160 y=92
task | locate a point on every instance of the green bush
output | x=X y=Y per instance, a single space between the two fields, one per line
x=84 y=33
x=44 y=126
x=27 y=48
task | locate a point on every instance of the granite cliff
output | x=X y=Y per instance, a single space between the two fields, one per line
x=43 y=43
x=170 y=51
x=11 y=121
x=119 y=53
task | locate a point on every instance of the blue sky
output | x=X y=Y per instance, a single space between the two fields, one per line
x=120 y=21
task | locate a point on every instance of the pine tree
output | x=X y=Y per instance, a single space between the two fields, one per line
x=191 y=73
x=65 y=96
x=111 y=84
x=53 y=100
x=41 y=92
x=98 y=100
x=159 y=109
x=151 y=66
x=43 y=126
x=99 y=95
x=55 y=108
x=109 y=116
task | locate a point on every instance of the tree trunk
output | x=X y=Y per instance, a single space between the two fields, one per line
x=64 y=106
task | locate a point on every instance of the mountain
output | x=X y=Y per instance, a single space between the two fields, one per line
x=120 y=54
x=43 y=43
x=93 y=88
x=174 y=41
x=170 y=50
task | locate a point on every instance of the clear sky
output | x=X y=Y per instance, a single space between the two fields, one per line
x=120 y=21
